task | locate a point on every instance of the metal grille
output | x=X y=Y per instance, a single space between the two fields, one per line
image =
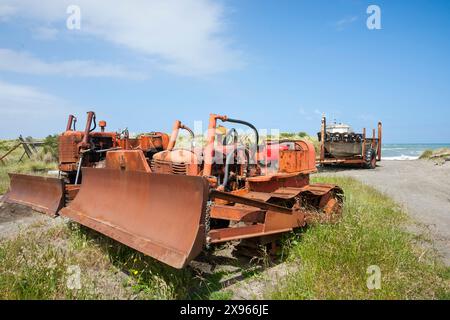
x=160 y=166
x=68 y=152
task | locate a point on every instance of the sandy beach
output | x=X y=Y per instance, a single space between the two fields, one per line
x=420 y=186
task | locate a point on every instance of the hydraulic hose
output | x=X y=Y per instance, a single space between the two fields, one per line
x=228 y=162
x=229 y=133
x=251 y=126
x=248 y=124
x=95 y=124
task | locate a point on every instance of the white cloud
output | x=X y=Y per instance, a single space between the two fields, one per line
x=343 y=23
x=12 y=95
x=29 y=111
x=45 y=33
x=6 y=11
x=23 y=62
x=310 y=115
x=183 y=36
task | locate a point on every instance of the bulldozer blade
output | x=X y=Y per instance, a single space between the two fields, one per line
x=160 y=215
x=42 y=194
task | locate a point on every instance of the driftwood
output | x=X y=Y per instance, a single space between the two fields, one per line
x=443 y=155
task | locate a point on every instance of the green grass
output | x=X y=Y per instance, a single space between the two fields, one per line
x=333 y=259
x=34 y=265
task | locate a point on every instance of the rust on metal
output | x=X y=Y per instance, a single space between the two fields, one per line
x=86 y=148
x=211 y=137
x=71 y=122
x=248 y=202
x=273 y=182
x=322 y=140
x=71 y=191
x=175 y=130
x=237 y=213
x=42 y=194
x=157 y=214
x=129 y=160
x=85 y=143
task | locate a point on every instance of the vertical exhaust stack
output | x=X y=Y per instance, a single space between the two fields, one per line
x=71 y=122
x=175 y=130
x=84 y=144
x=209 y=150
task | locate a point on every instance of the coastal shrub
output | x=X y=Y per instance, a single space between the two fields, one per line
x=426 y=154
x=50 y=146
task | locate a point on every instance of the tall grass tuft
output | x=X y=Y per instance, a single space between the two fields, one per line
x=426 y=154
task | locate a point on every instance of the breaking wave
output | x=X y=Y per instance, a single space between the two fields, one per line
x=400 y=158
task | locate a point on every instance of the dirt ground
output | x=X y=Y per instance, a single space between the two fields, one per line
x=420 y=186
x=14 y=218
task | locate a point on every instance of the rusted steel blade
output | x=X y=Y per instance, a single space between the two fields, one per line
x=43 y=194
x=160 y=215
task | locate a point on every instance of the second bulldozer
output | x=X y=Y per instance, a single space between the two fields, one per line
x=77 y=149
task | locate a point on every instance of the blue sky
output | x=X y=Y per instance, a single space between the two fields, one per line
x=278 y=64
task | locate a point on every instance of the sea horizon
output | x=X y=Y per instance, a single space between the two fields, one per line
x=408 y=151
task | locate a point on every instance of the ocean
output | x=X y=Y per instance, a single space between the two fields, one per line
x=407 y=151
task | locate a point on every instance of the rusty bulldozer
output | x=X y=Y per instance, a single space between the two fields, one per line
x=77 y=149
x=169 y=202
x=172 y=205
